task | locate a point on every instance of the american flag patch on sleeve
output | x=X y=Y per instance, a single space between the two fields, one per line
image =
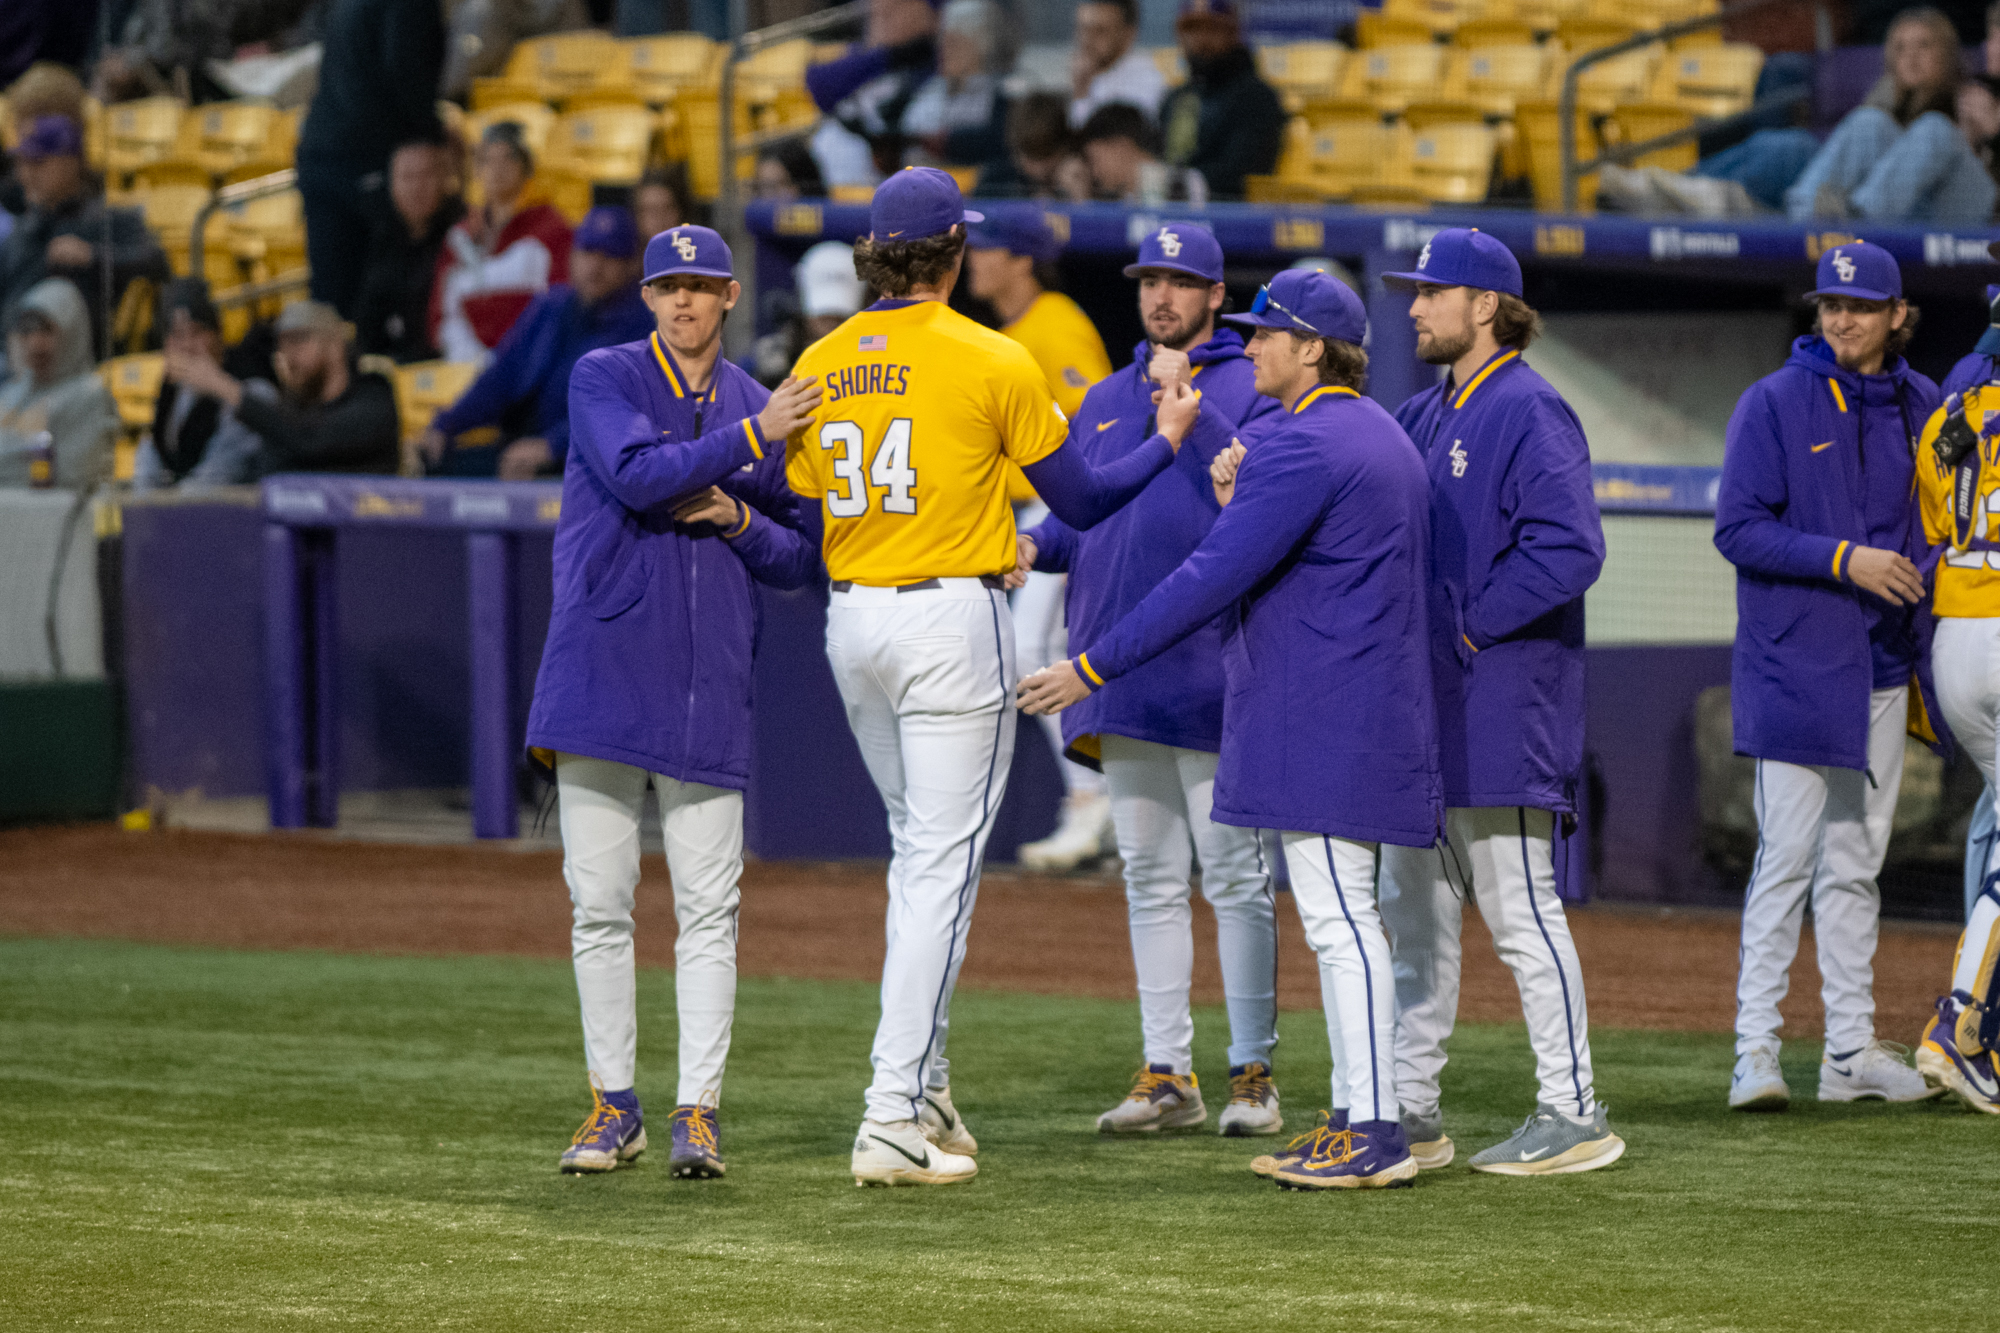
x=875 y=342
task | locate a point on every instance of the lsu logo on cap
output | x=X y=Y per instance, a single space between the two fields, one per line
x=1843 y=266
x=684 y=247
x=1170 y=244
x=1424 y=259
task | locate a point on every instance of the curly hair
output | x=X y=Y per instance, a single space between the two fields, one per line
x=1899 y=339
x=893 y=268
x=1515 y=323
x=1343 y=363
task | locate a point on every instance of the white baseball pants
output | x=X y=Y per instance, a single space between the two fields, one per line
x=1965 y=661
x=1161 y=796
x=1501 y=856
x=1040 y=637
x=1333 y=884
x=600 y=805
x=928 y=679
x=1823 y=832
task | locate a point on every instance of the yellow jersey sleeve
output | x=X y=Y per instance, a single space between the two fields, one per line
x=1967 y=582
x=1065 y=345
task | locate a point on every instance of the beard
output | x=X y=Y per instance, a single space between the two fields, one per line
x=1437 y=350
x=306 y=390
x=1184 y=334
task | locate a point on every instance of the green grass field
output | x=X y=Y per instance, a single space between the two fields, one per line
x=197 y=1139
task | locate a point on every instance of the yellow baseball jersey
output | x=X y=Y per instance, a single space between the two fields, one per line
x=1968 y=582
x=1065 y=345
x=907 y=452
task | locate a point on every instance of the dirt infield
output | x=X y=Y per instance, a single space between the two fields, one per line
x=1652 y=969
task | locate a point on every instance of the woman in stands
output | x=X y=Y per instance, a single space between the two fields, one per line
x=500 y=256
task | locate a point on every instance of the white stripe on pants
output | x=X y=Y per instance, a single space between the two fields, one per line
x=600 y=805
x=1502 y=855
x=1161 y=796
x=1823 y=832
x=927 y=678
x=1333 y=884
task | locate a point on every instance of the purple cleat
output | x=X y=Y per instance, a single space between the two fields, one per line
x=695 y=1155
x=615 y=1132
x=1302 y=1146
x=1368 y=1155
x=1942 y=1058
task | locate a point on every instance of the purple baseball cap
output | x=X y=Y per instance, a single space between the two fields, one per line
x=1307 y=301
x=689 y=249
x=51 y=136
x=917 y=202
x=1858 y=269
x=1463 y=257
x=1180 y=247
x=608 y=230
x=1020 y=231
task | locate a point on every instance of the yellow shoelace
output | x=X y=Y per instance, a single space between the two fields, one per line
x=1332 y=1142
x=601 y=1114
x=1251 y=1087
x=1145 y=1083
x=700 y=1132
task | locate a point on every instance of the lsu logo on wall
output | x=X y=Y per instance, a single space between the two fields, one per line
x=1843 y=266
x=1458 y=458
x=684 y=247
x=1170 y=244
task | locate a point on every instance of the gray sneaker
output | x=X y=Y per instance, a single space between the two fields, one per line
x=1428 y=1145
x=1549 y=1143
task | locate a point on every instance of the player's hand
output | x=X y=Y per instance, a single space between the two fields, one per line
x=1222 y=472
x=711 y=506
x=1886 y=574
x=791 y=406
x=1169 y=365
x=1179 y=405
x=1052 y=689
x=1024 y=562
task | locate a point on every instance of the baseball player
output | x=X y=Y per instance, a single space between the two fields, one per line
x=1958 y=480
x=1815 y=512
x=1157 y=730
x=1515 y=541
x=1006 y=259
x=1317 y=566
x=673 y=502
x=906 y=455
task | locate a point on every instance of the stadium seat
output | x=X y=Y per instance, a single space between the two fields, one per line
x=571 y=194
x=567 y=62
x=271 y=229
x=1391 y=77
x=1303 y=72
x=142 y=132
x=1341 y=156
x=1171 y=64
x=169 y=210
x=535 y=119
x=1373 y=30
x=489 y=91
x=232 y=133
x=657 y=68
x=1496 y=78
x=606 y=143
x=1712 y=80
x=773 y=71
x=1639 y=121
x=1610 y=83
x=1491 y=31
x=1438 y=17
x=1453 y=163
x=1580 y=35
x=426 y=388
x=134 y=384
x=1539 y=125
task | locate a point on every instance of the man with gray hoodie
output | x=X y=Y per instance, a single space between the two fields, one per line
x=53 y=389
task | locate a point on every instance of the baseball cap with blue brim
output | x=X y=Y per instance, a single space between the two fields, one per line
x=1179 y=247
x=917 y=202
x=607 y=230
x=697 y=251
x=1463 y=257
x=1860 y=270
x=1018 y=231
x=1309 y=303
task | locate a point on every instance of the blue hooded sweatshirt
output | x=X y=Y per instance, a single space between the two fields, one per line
x=1515 y=542
x=647 y=660
x=1175 y=698
x=1817 y=461
x=1317 y=568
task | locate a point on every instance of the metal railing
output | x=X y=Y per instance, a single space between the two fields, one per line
x=257 y=187
x=1572 y=170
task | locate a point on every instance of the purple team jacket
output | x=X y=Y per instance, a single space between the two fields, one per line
x=1792 y=508
x=1515 y=541
x=1176 y=697
x=648 y=656
x=1317 y=568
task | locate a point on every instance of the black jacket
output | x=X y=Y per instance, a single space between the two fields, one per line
x=134 y=254
x=392 y=314
x=378 y=81
x=1225 y=122
x=356 y=432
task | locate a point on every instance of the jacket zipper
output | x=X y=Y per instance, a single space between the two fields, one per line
x=693 y=586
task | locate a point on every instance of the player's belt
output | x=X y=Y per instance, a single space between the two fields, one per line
x=993 y=581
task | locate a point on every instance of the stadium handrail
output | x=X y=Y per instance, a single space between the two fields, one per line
x=242 y=192
x=1572 y=170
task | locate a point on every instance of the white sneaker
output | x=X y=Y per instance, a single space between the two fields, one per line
x=1881 y=1070
x=1758 y=1084
x=1083 y=835
x=899 y=1154
x=1253 y=1103
x=1160 y=1099
x=940 y=1122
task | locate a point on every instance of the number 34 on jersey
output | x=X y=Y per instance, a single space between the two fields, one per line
x=888 y=470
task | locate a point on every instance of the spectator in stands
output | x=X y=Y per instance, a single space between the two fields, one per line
x=1107 y=66
x=392 y=315
x=66 y=225
x=1224 y=122
x=328 y=417
x=828 y=293
x=378 y=86
x=500 y=256
x=959 y=115
x=1122 y=148
x=1043 y=160
x=196 y=440
x=45 y=90
x=521 y=399
x=787 y=172
x=866 y=92
x=53 y=388
x=1979 y=98
x=165 y=46
x=661 y=201
x=484 y=33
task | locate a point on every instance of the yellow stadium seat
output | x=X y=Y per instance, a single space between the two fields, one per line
x=426 y=388
x=535 y=119
x=1373 y=30
x=232 y=133
x=1611 y=83
x=659 y=67
x=1437 y=16
x=1711 y=80
x=141 y=132
x=1447 y=110
x=1490 y=31
x=1303 y=72
x=1545 y=16
x=134 y=384
x=489 y=91
x=1391 y=77
x=272 y=229
x=763 y=76
x=568 y=192
x=169 y=208
x=1639 y=121
x=1453 y=163
x=1539 y=125
x=1582 y=35
x=1343 y=155
x=567 y=62
x=605 y=143
x=1498 y=77
x=161 y=174
x=1171 y=64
